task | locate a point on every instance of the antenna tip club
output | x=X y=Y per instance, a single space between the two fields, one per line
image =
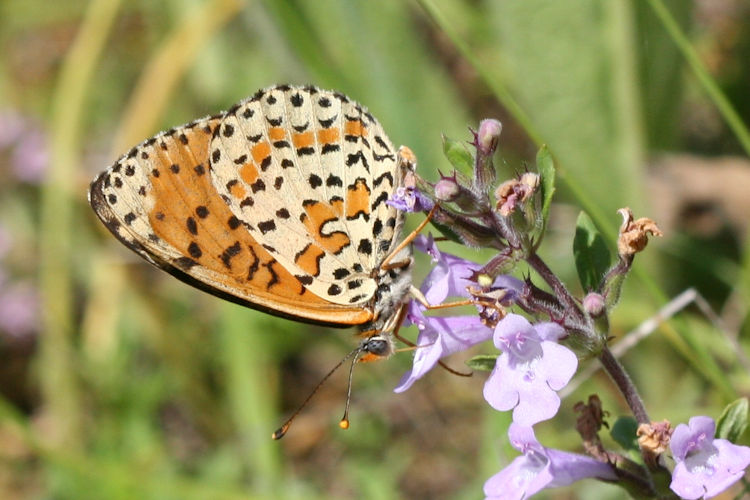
x=344 y=423
x=280 y=432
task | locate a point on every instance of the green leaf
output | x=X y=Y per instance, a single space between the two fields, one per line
x=624 y=432
x=546 y=168
x=446 y=231
x=483 y=362
x=733 y=420
x=458 y=155
x=590 y=253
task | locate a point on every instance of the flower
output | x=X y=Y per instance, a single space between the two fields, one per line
x=539 y=468
x=440 y=336
x=409 y=199
x=532 y=367
x=634 y=233
x=27 y=144
x=19 y=310
x=514 y=191
x=31 y=157
x=705 y=466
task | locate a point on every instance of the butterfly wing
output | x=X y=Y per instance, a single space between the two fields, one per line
x=308 y=171
x=159 y=200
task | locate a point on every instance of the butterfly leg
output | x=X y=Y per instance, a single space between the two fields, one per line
x=417 y=295
x=409 y=238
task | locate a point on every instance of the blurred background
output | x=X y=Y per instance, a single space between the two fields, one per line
x=118 y=381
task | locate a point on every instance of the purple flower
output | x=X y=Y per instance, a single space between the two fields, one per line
x=441 y=336
x=19 y=310
x=450 y=275
x=410 y=199
x=27 y=144
x=705 y=466
x=539 y=468
x=31 y=157
x=532 y=367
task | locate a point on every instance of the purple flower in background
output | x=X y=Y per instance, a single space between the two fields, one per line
x=705 y=466
x=532 y=367
x=539 y=468
x=30 y=157
x=12 y=126
x=19 y=310
x=441 y=336
x=27 y=142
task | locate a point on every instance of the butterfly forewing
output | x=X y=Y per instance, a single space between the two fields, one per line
x=160 y=201
x=296 y=166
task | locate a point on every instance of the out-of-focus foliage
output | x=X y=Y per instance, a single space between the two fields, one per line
x=117 y=381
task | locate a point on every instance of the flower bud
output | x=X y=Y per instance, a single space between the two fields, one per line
x=594 y=305
x=488 y=135
x=447 y=189
x=485 y=140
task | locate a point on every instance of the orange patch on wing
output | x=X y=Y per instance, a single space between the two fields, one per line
x=355 y=127
x=328 y=135
x=236 y=260
x=338 y=207
x=309 y=260
x=317 y=215
x=276 y=133
x=229 y=261
x=260 y=151
x=249 y=173
x=357 y=199
x=238 y=191
x=303 y=140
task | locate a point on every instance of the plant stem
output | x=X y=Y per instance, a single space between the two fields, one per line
x=548 y=276
x=625 y=384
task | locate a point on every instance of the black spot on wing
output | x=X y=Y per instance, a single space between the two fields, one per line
x=229 y=252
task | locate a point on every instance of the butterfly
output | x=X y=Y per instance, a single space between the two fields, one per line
x=278 y=203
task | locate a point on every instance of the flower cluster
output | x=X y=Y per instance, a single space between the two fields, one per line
x=23 y=155
x=538 y=350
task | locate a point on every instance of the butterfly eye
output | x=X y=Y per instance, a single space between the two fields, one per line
x=377 y=345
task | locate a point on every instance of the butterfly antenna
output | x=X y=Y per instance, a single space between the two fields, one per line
x=344 y=423
x=281 y=431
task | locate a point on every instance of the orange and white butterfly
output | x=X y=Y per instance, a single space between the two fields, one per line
x=278 y=203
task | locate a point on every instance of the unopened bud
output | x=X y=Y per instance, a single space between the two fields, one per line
x=485 y=140
x=594 y=305
x=447 y=189
x=488 y=135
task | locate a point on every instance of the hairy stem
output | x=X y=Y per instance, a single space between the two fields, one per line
x=548 y=276
x=625 y=384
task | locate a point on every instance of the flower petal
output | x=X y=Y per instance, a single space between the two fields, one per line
x=442 y=336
